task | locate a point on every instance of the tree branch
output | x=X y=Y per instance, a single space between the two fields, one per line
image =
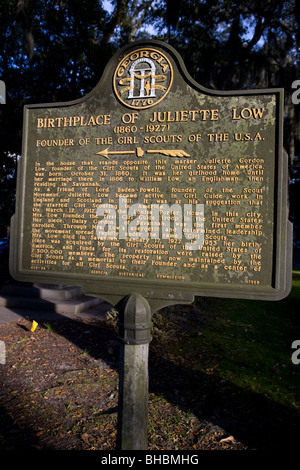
x=118 y=14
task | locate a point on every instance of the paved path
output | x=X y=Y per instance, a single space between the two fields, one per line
x=296 y=260
x=15 y=314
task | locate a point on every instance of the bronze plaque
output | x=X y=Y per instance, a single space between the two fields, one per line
x=153 y=184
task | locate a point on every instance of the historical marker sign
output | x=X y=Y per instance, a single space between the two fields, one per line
x=153 y=184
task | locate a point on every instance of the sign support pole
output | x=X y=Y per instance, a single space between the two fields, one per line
x=135 y=335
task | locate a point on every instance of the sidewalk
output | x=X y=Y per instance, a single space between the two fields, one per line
x=15 y=314
x=296 y=260
x=44 y=302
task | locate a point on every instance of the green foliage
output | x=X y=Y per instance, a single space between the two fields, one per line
x=248 y=344
x=48 y=326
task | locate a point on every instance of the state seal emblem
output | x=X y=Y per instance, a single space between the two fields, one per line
x=143 y=78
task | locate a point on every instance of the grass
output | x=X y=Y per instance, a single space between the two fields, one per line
x=249 y=343
x=48 y=326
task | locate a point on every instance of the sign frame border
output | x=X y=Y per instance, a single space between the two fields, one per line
x=172 y=292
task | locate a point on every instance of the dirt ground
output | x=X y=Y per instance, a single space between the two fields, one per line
x=59 y=391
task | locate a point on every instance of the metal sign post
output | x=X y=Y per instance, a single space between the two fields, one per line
x=135 y=336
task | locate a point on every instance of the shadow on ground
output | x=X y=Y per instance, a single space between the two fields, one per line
x=251 y=418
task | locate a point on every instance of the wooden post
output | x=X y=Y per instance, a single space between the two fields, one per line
x=135 y=335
